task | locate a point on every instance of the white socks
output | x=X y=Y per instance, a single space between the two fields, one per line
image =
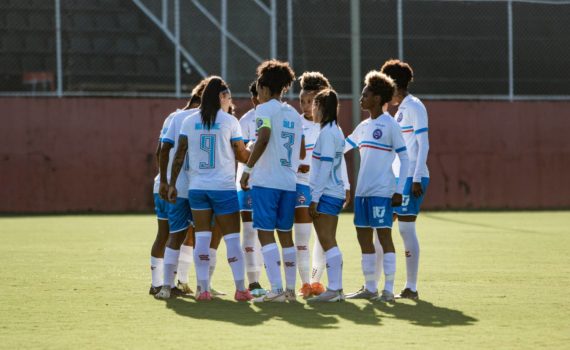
x=235 y=259
x=302 y=238
x=318 y=261
x=213 y=262
x=379 y=256
x=170 y=264
x=202 y=259
x=412 y=247
x=334 y=268
x=290 y=265
x=184 y=262
x=273 y=266
x=368 y=269
x=251 y=252
x=157 y=271
x=389 y=271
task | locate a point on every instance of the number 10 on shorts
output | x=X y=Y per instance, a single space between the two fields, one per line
x=378 y=213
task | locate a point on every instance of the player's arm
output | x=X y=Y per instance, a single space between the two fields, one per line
x=352 y=140
x=303 y=152
x=421 y=133
x=241 y=152
x=323 y=172
x=177 y=163
x=157 y=154
x=163 y=159
x=400 y=148
x=344 y=174
x=263 y=136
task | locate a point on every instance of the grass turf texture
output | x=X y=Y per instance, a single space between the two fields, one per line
x=493 y=280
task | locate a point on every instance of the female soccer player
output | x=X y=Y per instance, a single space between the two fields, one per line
x=275 y=157
x=413 y=120
x=327 y=189
x=213 y=141
x=379 y=139
x=251 y=245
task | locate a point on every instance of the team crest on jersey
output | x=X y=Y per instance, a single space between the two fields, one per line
x=301 y=198
x=400 y=117
x=377 y=134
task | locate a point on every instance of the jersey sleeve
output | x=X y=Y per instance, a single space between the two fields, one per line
x=245 y=130
x=185 y=128
x=353 y=139
x=419 y=119
x=325 y=151
x=262 y=117
x=170 y=134
x=400 y=148
x=236 y=131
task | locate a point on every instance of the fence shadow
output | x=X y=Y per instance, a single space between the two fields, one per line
x=426 y=314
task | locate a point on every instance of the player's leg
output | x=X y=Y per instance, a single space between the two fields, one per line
x=214 y=245
x=226 y=208
x=284 y=225
x=325 y=226
x=318 y=268
x=265 y=202
x=303 y=225
x=383 y=213
x=379 y=257
x=252 y=252
x=202 y=213
x=185 y=261
x=157 y=250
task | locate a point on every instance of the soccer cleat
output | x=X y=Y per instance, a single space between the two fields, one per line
x=154 y=290
x=217 y=293
x=184 y=287
x=408 y=294
x=243 y=295
x=290 y=295
x=305 y=291
x=386 y=297
x=362 y=293
x=164 y=293
x=329 y=296
x=271 y=297
x=256 y=289
x=177 y=292
x=204 y=296
x=317 y=288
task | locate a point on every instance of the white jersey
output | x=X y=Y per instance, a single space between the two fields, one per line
x=413 y=120
x=311 y=132
x=277 y=166
x=327 y=159
x=210 y=153
x=165 y=125
x=171 y=136
x=249 y=133
x=378 y=141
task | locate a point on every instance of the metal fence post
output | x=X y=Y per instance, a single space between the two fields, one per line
x=273 y=29
x=224 y=43
x=165 y=13
x=177 y=47
x=511 y=58
x=400 y=31
x=58 y=48
x=356 y=69
x=290 y=40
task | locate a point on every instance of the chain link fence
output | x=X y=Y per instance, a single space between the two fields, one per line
x=473 y=49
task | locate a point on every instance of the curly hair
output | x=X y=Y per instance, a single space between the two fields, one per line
x=314 y=81
x=380 y=84
x=275 y=75
x=400 y=71
x=327 y=100
x=253 y=89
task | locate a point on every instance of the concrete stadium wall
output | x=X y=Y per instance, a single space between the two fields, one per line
x=97 y=154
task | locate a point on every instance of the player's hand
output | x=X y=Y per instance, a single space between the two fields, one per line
x=163 y=191
x=172 y=194
x=243 y=181
x=396 y=200
x=347 y=199
x=417 y=190
x=304 y=168
x=313 y=210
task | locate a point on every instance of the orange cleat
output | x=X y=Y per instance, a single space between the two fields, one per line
x=204 y=296
x=317 y=288
x=243 y=295
x=306 y=291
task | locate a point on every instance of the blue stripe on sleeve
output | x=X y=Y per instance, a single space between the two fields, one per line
x=351 y=142
x=165 y=140
x=326 y=159
x=316 y=153
x=401 y=149
x=245 y=140
x=421 y=130
x=236 y=139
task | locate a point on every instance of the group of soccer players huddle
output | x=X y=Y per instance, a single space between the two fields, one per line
x=291 y=175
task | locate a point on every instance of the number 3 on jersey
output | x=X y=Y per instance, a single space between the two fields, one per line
x=208 y=145
x=290 y=137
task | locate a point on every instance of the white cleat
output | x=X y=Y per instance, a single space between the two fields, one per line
x=329 y=296
x=164 y=293
x=271 y=297
x=290 y=295
x=217 y=293
x=386 y=297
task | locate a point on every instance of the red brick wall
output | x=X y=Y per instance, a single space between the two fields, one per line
x=97 y=154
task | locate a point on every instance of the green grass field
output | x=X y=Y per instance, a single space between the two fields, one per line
x=487 y=280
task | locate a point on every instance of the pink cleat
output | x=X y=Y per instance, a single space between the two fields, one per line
x=204 y=296
x=243 y=295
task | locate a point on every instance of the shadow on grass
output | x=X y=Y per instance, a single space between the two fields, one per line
x=348 y=311
x=423 y=313
x=246 y=314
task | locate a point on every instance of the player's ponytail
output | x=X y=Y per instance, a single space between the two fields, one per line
x=211 y=101
x=327 y=102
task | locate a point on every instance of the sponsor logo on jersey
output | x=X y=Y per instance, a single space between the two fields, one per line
x=377 y=134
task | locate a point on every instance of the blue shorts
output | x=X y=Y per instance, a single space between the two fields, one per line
x=273 y=209
x=330 y=205
x=410 y=204
x=375 y=212
x=160 y=207
x=221 y=202
x=245 y=199
x=303 y=196
x=179 y=215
